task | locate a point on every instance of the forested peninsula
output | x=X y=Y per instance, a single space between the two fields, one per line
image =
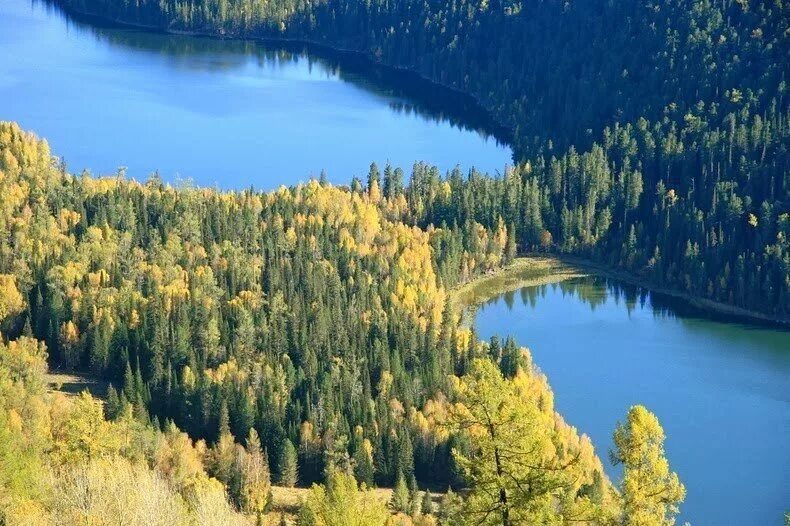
x=299 y=336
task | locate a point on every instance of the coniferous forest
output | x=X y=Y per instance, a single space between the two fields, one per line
x=307 y=336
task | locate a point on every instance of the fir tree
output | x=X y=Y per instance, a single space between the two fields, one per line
x=401 y=498
x=288 y=475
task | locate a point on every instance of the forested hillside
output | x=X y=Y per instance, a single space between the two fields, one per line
x=304 y=335
x=650 y=136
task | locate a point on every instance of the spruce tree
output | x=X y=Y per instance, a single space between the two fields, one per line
x=113 y=404
x=288 y=475
x=401 y=497
x=426 y=506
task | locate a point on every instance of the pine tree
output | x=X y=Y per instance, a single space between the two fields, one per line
x=494 y=348
x=288 y=475
x=113 y=404
x=511 y=358
x=363 y=463
x=140 y=410
x=401 y=498
x=426 y=507
x=405 y=461
x=129 y=386
x=223 y=426
x=374 y=177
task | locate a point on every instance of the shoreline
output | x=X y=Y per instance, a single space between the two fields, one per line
x=532 y=270
x=524 y=271
x=703 y=304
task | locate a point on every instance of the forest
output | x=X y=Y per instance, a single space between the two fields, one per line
x=294 y=337
x=648 y=136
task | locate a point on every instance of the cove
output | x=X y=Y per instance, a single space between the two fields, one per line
x=721 y=388
x=226 y=113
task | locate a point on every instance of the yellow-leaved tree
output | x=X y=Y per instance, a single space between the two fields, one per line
x=341 y=502
x=651 y=492
x=522 y=467
x=11 y=301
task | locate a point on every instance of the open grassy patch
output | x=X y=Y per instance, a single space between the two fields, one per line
x=73 y=384
x=527 y=271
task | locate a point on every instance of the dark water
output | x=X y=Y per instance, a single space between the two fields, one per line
x=721 y=389
x=230 y=113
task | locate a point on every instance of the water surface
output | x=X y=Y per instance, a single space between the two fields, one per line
x=721 y=389
x=230 y=113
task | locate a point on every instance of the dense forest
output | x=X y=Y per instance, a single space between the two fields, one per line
x=307 y=335
x=649 y=136
x=299 y=336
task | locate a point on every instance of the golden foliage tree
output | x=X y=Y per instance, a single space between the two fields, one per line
x=342 y=503
x=11 y=301
x=651 y=492
x=523 y=467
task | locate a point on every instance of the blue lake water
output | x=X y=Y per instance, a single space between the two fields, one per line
x=721 y=389
x=225 y=113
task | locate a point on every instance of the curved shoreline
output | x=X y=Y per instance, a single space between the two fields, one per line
x=494 y=126
x=523 y=272
x=533 y=270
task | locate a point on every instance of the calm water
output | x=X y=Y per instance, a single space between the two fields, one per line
x=721 y=390
x=230 y=113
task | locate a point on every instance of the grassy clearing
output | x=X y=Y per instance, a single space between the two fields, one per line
x=527 y=271
x=72 y=384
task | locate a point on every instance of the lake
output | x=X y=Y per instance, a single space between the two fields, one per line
x=233 y=114
x=720 y=388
